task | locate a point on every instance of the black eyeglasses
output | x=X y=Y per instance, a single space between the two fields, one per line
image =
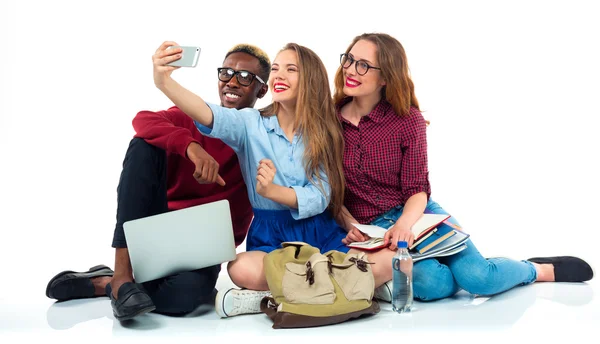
x=243 y=77
x=362 y=67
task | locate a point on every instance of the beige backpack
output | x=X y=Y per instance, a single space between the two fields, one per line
x=313 y=289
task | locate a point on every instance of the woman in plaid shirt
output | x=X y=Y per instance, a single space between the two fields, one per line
x=385 y=166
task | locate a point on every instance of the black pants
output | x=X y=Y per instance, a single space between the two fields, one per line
x=142 y=192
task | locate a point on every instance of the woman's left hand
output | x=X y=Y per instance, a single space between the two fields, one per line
x=398 y=233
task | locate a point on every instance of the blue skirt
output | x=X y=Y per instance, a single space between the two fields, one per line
x=270 y=228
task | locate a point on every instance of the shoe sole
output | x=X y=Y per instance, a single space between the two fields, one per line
x=59 y=275
x=135 y=314
x=220 y=303
x=385 y=299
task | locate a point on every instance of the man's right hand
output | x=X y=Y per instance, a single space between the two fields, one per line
x=207 y=168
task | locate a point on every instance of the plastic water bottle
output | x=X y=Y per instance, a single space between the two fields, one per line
x=402 y=291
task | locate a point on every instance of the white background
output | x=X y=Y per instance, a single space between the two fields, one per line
x=510 y=87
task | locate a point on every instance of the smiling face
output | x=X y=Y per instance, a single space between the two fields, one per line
x=234 y=95
x=356 y=85
x=284 y=78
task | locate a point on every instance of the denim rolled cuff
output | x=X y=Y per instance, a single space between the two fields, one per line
x=533 y=276
x=310 y=203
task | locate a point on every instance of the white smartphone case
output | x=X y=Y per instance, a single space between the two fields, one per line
x=189 y=57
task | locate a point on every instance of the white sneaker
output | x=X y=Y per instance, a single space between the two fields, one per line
x=384 y=292
x=233 y=302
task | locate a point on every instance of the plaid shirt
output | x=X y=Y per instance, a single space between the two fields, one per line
x=385 y=160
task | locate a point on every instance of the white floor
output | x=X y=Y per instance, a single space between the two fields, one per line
x=553 y=311
x=510 y=89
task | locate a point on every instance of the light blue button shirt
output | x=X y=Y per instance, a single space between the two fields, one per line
x=253 y=138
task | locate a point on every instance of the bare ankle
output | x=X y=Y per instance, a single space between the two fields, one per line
x=117 y=281
x=545 y=272
x=100 y=284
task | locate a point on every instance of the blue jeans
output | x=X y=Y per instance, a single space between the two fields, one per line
x=437 y=278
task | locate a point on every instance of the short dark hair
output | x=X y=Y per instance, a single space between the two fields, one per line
x=263 y=58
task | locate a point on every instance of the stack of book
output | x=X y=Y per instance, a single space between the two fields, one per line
x=434 y=235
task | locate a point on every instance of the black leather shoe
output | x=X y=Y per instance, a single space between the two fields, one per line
x=69 y=285
x=132 y=301
x=567 y=269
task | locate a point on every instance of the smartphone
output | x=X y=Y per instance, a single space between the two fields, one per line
x=189 y=57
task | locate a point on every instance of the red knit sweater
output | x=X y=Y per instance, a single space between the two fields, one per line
x=172 y=130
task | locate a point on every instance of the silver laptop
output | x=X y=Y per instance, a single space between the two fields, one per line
x=181 y=240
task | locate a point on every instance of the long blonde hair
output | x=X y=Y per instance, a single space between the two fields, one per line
x=399 y=90
x=318 y=125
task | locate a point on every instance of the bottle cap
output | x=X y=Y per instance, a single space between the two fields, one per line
x=402 y=244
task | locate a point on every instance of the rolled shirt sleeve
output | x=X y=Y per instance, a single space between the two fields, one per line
x=312 y=199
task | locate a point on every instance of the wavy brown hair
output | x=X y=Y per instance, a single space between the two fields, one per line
x=318 y=125
x=399 y=90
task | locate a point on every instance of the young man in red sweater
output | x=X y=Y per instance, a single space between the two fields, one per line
x=168 y=166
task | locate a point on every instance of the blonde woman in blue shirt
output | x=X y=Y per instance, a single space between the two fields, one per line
x=290 y=154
